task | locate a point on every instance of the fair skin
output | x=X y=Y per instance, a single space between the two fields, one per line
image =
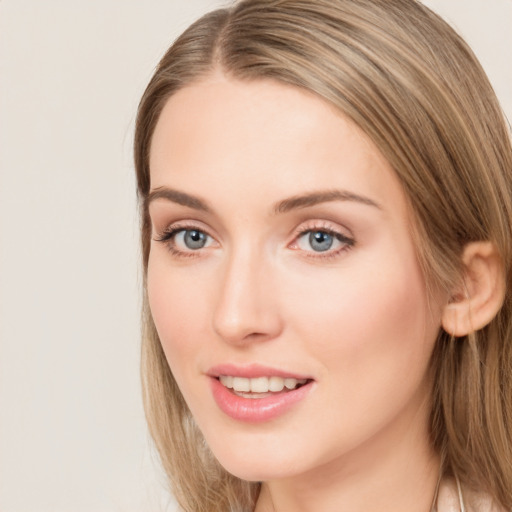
x=328 y=289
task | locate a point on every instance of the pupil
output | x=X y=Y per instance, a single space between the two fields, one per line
x=320 y=241
x=195 y=239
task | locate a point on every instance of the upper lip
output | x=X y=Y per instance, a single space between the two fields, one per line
x=252 y=371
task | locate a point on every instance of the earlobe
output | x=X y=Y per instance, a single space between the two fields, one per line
x=481 y=293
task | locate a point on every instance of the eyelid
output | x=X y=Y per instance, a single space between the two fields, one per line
x=322 y=225
x=181 y=225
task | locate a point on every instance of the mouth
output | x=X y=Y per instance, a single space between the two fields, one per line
x=260 y=387
x=257 y=393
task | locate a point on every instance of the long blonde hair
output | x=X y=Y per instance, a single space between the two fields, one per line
x=413 y=85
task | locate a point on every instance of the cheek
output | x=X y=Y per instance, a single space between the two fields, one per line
x=362 y=321
x=178 y=306
x=373 y=334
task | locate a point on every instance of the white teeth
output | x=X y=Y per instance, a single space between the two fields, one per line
x=276 y=384
x=241 y=384
x=290 y=383
x=259 y=384
x=226 y=380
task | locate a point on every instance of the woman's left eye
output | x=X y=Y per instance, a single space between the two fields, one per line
x=323 y=241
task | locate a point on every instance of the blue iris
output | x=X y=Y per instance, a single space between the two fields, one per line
x=320 y=241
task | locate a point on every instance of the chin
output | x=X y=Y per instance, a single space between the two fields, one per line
x=256 y=464
x=252 y=472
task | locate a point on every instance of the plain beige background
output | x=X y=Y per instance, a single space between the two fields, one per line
x=72 y=433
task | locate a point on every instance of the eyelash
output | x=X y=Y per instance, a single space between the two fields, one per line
x=167 y=237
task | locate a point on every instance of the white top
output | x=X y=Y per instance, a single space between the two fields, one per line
x=452 y=497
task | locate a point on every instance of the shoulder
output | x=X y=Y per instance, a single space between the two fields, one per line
x=455 y=498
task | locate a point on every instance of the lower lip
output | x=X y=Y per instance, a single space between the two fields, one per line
x=256 y=410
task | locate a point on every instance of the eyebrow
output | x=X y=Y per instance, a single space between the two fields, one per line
x=314 y=198
x=177 y=197
x=284 y=206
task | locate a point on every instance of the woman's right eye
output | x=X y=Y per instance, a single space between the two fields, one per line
x=183 y=241
x=192 y=239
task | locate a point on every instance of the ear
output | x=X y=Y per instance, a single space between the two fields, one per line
x=481 y=294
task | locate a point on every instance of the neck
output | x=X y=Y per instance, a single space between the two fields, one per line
x=397 y=472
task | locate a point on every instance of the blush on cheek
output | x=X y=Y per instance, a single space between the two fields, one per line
x=369 y=316
x=169 y=299
x=178 y=311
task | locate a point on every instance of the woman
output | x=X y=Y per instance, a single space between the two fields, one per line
x=326 y=203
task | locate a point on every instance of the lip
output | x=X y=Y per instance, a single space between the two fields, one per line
x=255 y=410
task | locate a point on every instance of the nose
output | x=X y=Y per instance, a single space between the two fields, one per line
x=246 y=308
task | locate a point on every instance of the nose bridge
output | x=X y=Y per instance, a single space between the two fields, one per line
x=245 y=308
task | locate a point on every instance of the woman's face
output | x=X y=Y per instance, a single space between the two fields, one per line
x=284 y=283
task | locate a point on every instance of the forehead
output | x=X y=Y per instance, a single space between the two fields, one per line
x=262 y=139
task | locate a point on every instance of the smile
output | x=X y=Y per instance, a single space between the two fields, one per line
x=248 y=395
x=260 y=387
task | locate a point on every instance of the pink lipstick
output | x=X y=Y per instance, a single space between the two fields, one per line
x=256 y=393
